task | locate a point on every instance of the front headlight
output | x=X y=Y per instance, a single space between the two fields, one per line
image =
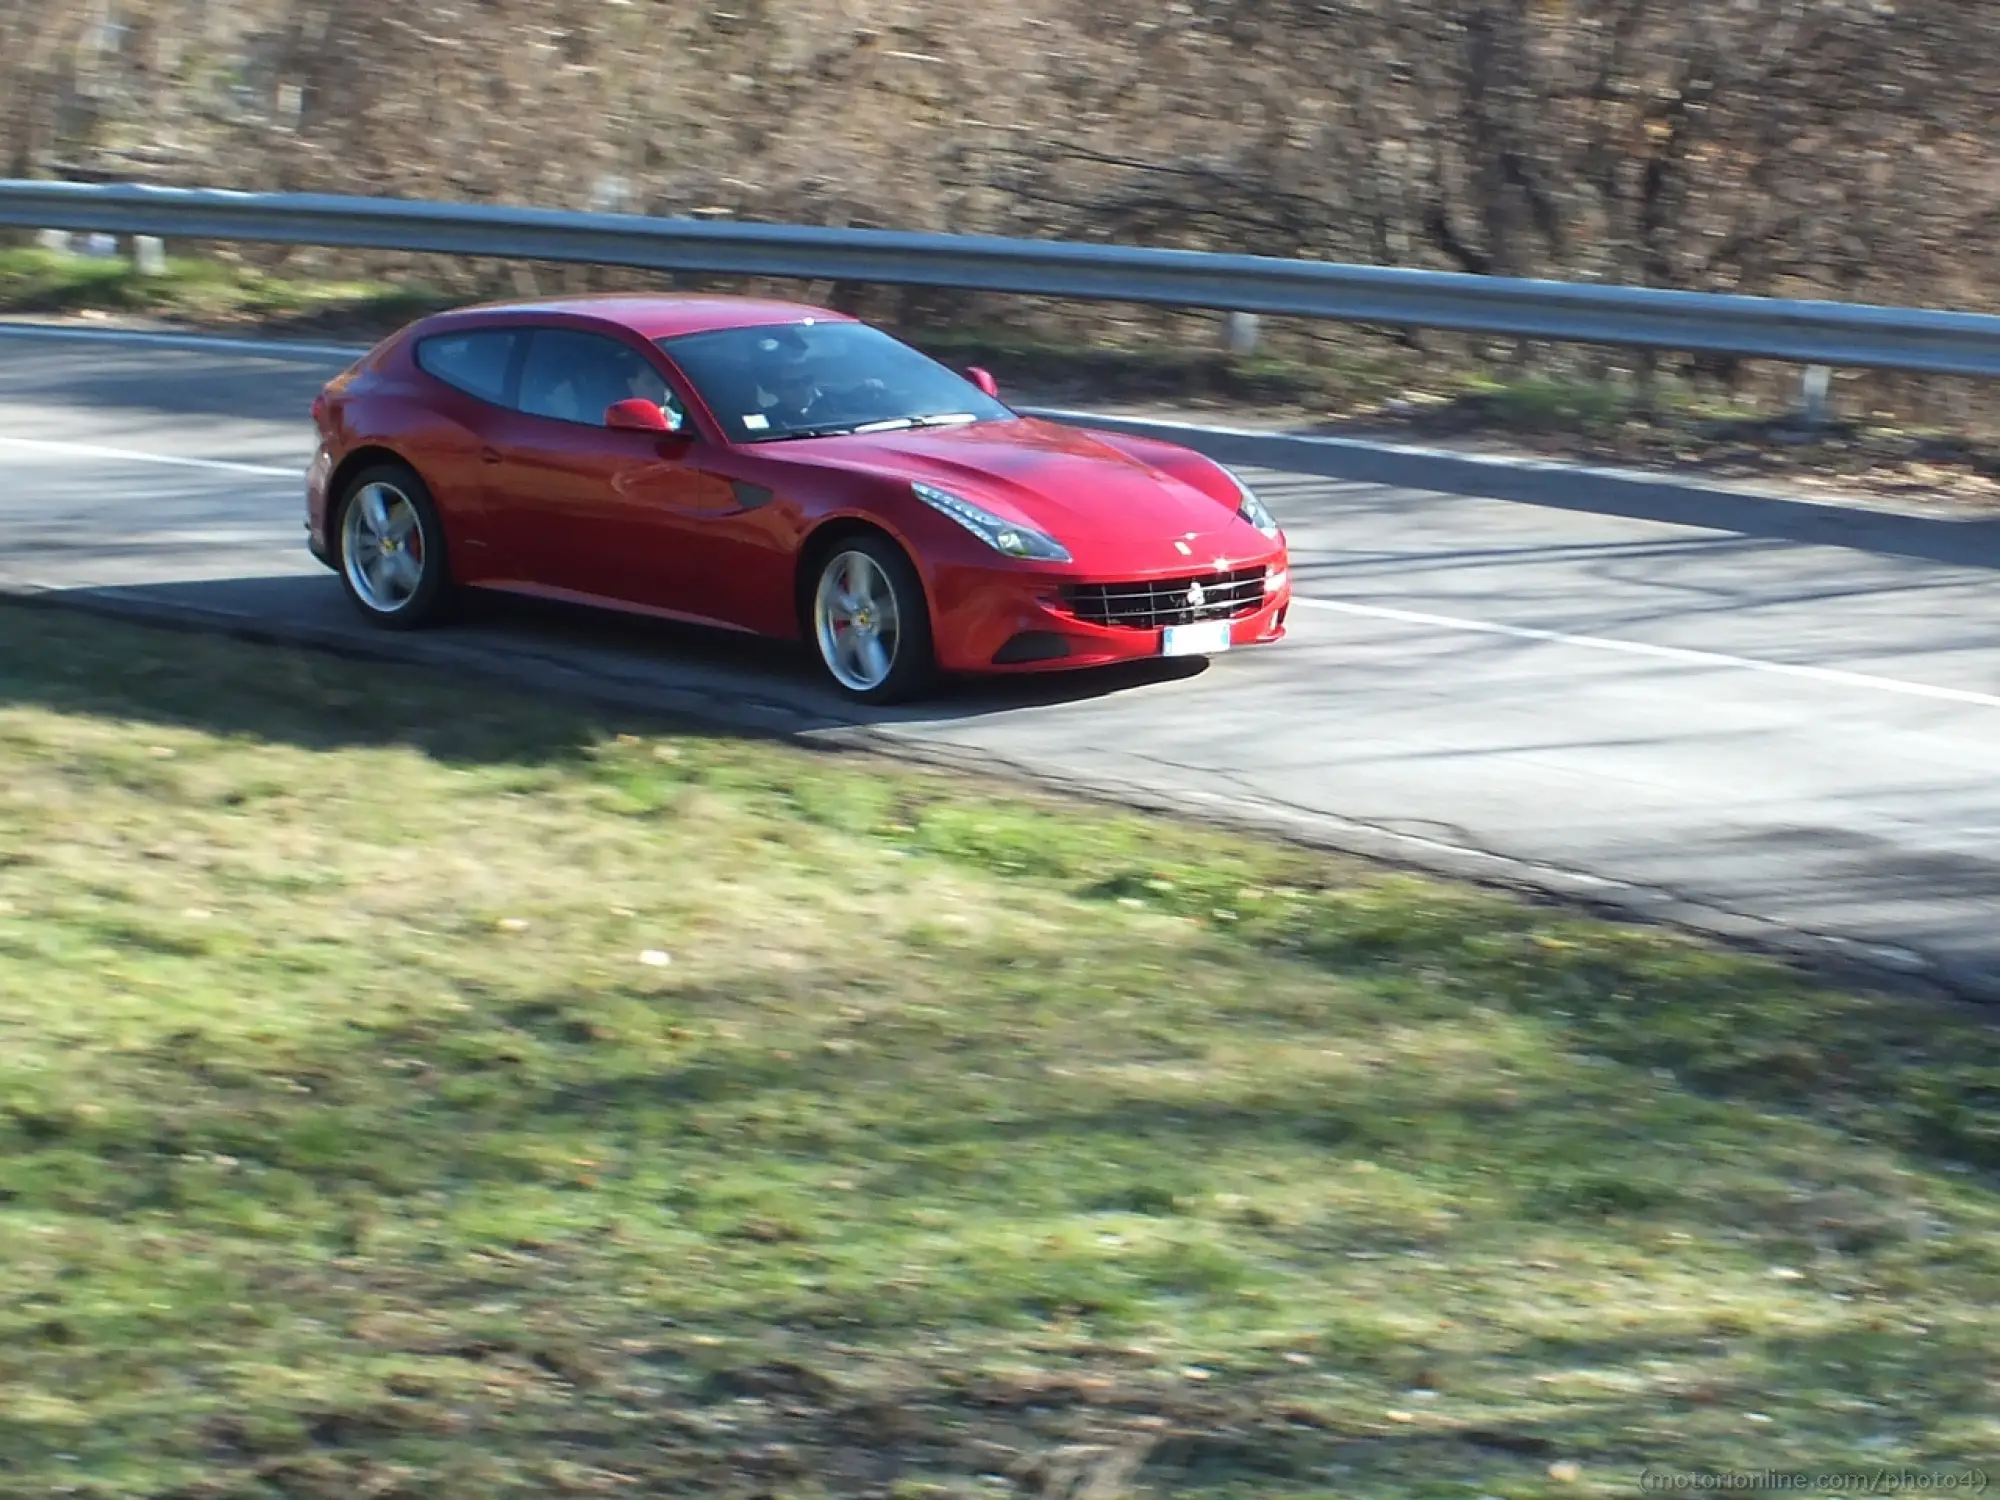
x=999 y=534
x=1251 y=509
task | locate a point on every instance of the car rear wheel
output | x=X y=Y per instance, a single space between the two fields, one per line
x=871 y=623
x=392 y=553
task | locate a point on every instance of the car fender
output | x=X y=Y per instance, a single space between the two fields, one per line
x=874 y=520
x=444 y=452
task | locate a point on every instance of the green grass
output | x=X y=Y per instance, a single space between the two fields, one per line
x=35 y=280
x=1553 y=404
x=969 y=1143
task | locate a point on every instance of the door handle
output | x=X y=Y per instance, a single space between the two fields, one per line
x=489 y=455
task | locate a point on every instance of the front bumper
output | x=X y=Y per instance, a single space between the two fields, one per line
x=999 y=619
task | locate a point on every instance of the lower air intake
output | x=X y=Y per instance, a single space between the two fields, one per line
x=1032 y=645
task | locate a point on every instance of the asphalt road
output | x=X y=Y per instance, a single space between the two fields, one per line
x=1755 y=714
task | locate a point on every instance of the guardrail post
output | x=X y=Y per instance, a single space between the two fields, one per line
x=1813 y=395
x=1239 y=333
x=149 y=255
x=54 y=239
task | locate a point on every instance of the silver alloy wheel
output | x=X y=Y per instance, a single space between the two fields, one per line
x=854 y=616
x=382 y=547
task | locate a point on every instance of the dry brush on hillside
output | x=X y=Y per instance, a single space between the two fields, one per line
x=1842 y=148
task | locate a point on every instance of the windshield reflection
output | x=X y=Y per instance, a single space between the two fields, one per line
x=813 y=379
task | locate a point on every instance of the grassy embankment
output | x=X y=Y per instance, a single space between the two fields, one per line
x=411 y=1089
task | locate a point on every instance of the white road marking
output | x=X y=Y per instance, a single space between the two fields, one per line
x=1327 y=440
x=132 y=455
x=207 y=343
x=1519 y=461
x=1832 y=675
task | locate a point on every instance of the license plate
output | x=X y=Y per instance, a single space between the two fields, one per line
x=1204 y=639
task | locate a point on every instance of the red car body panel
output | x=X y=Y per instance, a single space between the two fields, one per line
x=698 y=528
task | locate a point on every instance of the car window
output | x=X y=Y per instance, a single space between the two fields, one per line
x=475 y=362
x=574 y=376
x=815 y=379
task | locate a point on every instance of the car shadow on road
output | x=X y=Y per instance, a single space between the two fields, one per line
x=628 y=662
x=784 y=672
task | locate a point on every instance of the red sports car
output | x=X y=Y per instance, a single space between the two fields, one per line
x=778 y=469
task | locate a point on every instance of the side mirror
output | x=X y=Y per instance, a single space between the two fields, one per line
x=985 y=381
x=638 y=415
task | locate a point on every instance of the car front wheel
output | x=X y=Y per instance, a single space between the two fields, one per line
x=392 y=552
x=871 y=623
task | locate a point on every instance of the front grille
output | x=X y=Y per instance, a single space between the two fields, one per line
x=1152 y=603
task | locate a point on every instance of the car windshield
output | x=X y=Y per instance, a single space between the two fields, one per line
x=813 y=379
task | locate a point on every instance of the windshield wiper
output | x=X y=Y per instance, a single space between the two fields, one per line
x=832 y=429
x=887 y=424
x=933 y=419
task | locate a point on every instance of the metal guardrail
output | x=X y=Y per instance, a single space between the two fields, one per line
x=1811 y=333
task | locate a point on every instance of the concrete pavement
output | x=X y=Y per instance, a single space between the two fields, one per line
x=1757 y=715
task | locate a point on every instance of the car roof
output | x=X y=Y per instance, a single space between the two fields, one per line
x=656 y=315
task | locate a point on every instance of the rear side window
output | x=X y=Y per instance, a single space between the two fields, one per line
x=575 y=376
x=474 y=362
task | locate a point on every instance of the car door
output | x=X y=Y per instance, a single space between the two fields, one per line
x=468 y=407
x=597 y=512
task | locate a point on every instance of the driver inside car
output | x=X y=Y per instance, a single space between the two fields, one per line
x=788 y=385
x=646 y=385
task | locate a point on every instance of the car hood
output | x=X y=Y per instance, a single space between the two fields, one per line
x=1058 y=479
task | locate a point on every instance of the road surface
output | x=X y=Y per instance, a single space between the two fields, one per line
x=1759 y=715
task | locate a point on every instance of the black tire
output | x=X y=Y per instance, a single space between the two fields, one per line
x=382 y=599
x=910 y=653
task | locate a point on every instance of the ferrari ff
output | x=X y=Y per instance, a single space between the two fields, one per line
x=778 y=469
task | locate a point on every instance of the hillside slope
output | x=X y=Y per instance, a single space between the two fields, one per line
x=1822 y=147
